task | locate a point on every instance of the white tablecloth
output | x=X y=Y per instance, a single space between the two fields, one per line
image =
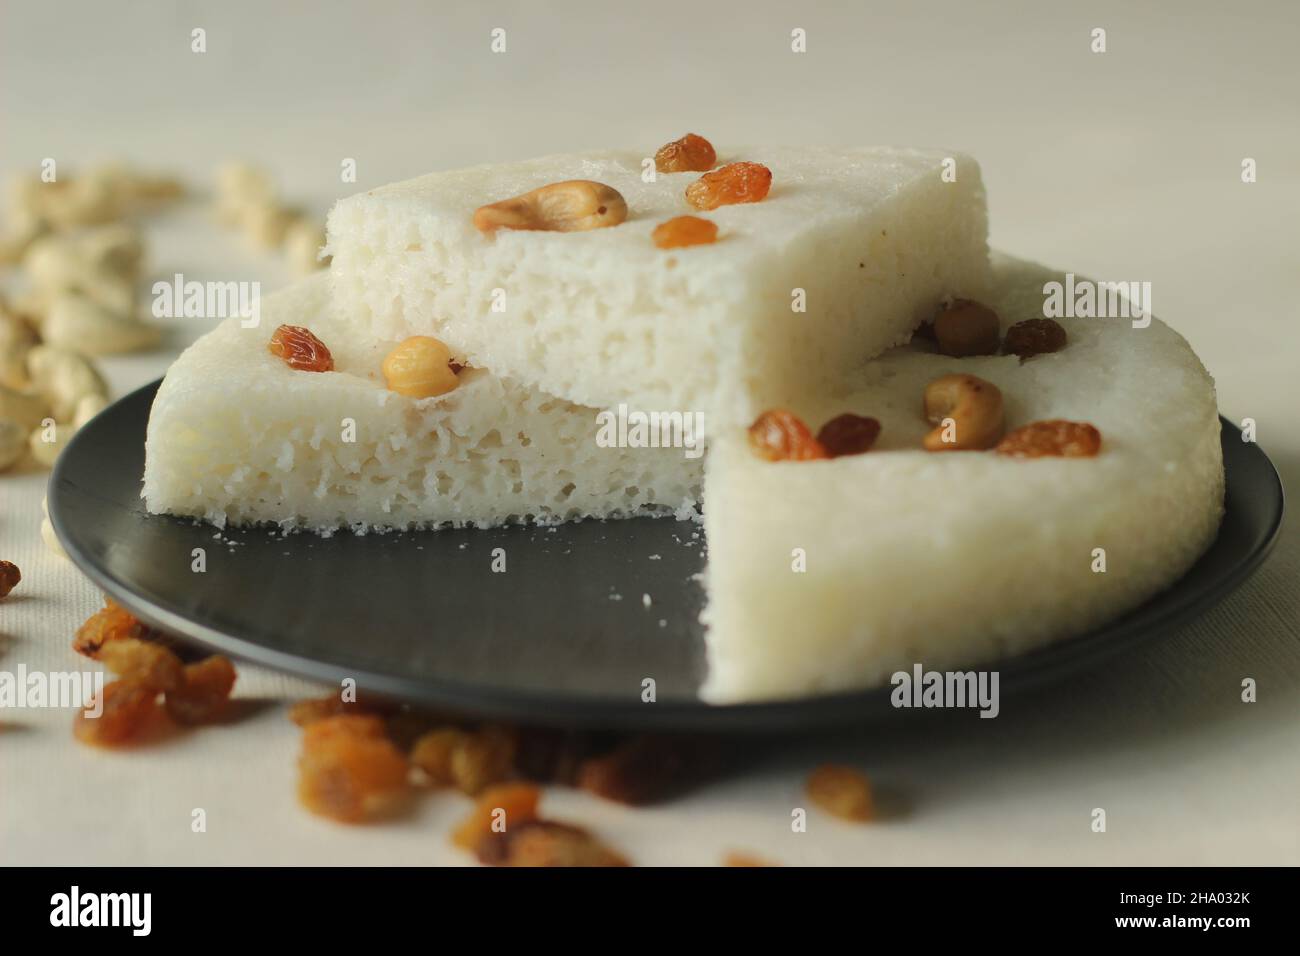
x=1122 y=165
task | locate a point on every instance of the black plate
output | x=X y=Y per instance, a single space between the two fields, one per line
x=563 y=636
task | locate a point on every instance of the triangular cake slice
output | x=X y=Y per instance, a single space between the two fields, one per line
x=846 y=254
x=833 y=574
x=238 y=436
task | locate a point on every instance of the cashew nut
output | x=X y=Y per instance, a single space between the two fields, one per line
x=77 y=322
x=13 y=442
x=266 y=223
x=48 y=440
x=240 y=189
x=967 y=411
x=25 y=408
x=16 y=340
x=22 y=229
x=63 y=377
x=136 y=188
x=117 y=249
x=302 y=244
x=30 y=305
x=570 y=206
x=103 y=267
x=88 y=406
x=82 y=201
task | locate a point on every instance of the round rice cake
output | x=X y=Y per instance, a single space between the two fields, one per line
x=834 y=574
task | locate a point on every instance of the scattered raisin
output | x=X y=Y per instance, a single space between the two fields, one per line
x=1059 y=438
x=432 y=753
x=552 y=756
x=966 y=328
x=742 y=859
x=112 y=622
x=129 y=707
x=648 y=768
x=9 y=577
x=848 y=434
x=925 y=333
x=689 y=154
x=300 y=349
x=483 y=758
x=348 y=770
x=547 y=843
x=406 y=725
x=842 y=791
x=781 y=435
x=312 y=709
x=517 y=803
x=733 y=183
x=684 y=231
x=1034 y=337
x=149 y=665
x=203 y=693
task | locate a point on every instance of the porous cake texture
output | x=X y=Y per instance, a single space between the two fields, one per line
x=954 y=558
x=237 y=436
x=847 y=254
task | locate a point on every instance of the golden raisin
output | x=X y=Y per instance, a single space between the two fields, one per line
x=343 y=725
x=203 y=693
x=730 y=184
x=780 y=435
x=842 y=791
x=483 y=758
x=648 y=768
x=741 y=858
x=9 y=577
x=966 y=328
x=310 y=710
x=1034 y=337
x=348 y=770
x=496 y=810
x=129 y=708
x=149 y=665
x=300 y=349
x=848 y=434
x=112 y=622
x=691 y=153
x=1057 y=437
x=433 y=752
x=682 y=231
x=547 y=843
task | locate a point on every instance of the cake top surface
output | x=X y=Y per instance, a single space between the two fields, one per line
x=811 y=186
x=1142 y=386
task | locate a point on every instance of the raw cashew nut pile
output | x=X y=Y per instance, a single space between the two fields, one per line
x=247 y=200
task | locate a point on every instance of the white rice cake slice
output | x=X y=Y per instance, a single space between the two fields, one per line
x=868 y=241
x=951 y=559
x=236 y=436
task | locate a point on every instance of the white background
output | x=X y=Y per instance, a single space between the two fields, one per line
x=1123 y=165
